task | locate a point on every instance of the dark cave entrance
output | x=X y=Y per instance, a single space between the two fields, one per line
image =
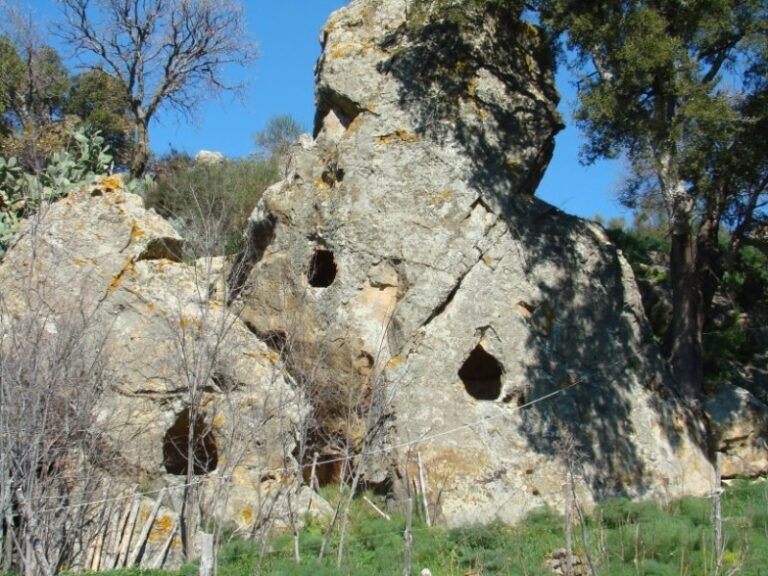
x=481 y=374
x=322 y=269
x=204 y=450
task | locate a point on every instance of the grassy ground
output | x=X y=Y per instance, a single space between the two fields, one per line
x=621 y=538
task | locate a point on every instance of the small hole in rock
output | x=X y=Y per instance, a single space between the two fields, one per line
x=176 y=451
x=481 y=374
x=322 y=269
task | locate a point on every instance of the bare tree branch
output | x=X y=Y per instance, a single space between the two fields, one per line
x=168 y=53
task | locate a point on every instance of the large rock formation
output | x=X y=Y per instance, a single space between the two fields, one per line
x=432 y=304
x=739 y=430
x=182 y=380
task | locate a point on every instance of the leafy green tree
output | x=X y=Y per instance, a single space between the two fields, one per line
x=279 y=133
x=33 y=83
x=679 y=88
x=11 y=74
x=33 y=86
x=100 y=100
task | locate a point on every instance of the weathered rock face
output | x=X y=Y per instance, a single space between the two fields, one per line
x=433 y=304
x=176 y=358
x=739 y=423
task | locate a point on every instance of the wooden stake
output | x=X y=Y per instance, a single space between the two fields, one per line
x=122 y=553
x=717 y=516
x=206 y=550
x=135 y=556
x=101 y=534
x=122 y=520
x=568 y=527
x=423 y=486
x=408 y=537
x=376 y=508
x=313 y=482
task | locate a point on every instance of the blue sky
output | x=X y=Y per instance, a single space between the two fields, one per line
x=281 y=81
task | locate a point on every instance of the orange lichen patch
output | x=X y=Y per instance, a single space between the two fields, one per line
x=247 y=515
x=402 y=135
x=110 y=183
x=271 y=356
x=161 y=528
x=441 y=197
x=348 y=48
x=128 y=269
x=84 y=261
x=136 y=231
x=185 y=323
x=218 y=421
x=394 y=361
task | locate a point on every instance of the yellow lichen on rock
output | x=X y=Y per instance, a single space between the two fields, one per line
x=402 y=135
x=128 y=269
x=111 y=183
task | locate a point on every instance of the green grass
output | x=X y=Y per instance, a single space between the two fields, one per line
x=623 y=539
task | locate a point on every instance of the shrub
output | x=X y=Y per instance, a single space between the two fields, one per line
x=209 y=204
x=22 y=193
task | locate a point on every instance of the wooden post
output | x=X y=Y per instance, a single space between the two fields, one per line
x=313 y=482
x=122 y=553
x=423 y=486
x=408 y=536
x=206 y=554
x=138 y=549
x=101 y=534
x=717 y=514
x=376 y=508
x=568 y=526
x=110 y=561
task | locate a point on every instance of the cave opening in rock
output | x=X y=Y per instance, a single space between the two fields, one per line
x=322 y=269
x=481 y=375
x=176 y=449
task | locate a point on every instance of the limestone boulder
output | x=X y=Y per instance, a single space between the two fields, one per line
x=739 y=423
x=186 y=387
x=432 y=304
x=209 y=157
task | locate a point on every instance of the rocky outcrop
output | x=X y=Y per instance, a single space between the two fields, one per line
x=185 y=382
x=739 y=426
x=433 y=304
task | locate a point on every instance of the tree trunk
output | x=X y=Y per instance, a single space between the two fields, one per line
x=684 y=339
x=140 y=157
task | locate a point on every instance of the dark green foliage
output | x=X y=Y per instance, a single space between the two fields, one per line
x=209 y=203
x=638 y=248
x=11 y=74
x=33 y=84
x=679 y=90
x=457 y=13
x=101 y=101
